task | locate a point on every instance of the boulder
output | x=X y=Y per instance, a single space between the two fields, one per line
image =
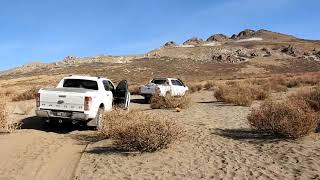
x=170 y=44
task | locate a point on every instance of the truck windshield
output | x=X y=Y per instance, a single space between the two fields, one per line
x=80 y=83
x=159 y=81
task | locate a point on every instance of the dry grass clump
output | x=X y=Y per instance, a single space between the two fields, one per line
x=275 y=84
x=139 y=131
x=4 y=121
x=27 y=95
x=3 y=116
x=195 y=88
x=209 y=85
x=289 y=119
x=242 y=94
x=7 y=92
x=134 y=90
x=167 y=102
x=310 y=96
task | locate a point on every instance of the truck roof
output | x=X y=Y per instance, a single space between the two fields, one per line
x=164 y=78
x=92 y=78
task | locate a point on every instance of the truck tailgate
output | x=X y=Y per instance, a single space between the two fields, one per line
x=148 y=89
x=63 y=99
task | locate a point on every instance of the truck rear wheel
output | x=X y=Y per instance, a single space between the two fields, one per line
x=99 y=118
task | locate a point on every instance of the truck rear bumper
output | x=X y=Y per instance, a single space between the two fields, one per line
x=72 y=116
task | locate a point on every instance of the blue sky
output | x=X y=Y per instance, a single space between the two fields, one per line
x=46 y=31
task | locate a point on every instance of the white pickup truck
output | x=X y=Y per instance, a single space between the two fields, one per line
x=81 y=99
x=163 y=87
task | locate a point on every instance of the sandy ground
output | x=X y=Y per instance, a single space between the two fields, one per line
x=217 y=145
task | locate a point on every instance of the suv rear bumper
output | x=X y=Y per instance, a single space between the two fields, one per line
x=72 y=116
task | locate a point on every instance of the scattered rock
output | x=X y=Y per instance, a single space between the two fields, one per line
x=266 y=51
x=290 y=50
x=306 y=54
x=317 y=54
x=218 y=37
x=193 y=41
x=254 y=54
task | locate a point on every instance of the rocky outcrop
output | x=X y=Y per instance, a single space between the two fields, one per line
x=170 y=44
x=218 y=37
x=193 y=41
x=246 y=34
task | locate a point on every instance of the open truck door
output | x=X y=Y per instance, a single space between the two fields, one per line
x=122 y=95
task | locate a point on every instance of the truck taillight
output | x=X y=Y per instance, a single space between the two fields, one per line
x=38 y=100
x=87 y=103
x=158 y=90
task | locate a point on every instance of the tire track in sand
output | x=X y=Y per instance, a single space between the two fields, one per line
x=31 y=154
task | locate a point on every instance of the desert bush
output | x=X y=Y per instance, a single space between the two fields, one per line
x=4 y=120
x=310 y=96
x=242 y=94
x=208 y=85
x=139 y=131
x=7 y=92
x=276 y=84
x=134 y=90
x=27 y=95
x=167 y=102
x=289 y=119
x=195 y=87
x=3 y=116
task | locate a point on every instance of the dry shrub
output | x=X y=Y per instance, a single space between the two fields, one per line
x=195 y=88
x=289 y=119
x=134 y=90
x=7 y=92
x=139 y=131
x=3 y=116
x=242 y=94
x=276 y=84
x=167 y=102
x=209 y=85
x=27 y=95
x=310 y=96
x=4 y=121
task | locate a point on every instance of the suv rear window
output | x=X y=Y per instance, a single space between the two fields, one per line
x=159 y=81
x=176 y=83
x=80 y=83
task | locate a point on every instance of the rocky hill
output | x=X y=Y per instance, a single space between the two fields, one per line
x=248 y=52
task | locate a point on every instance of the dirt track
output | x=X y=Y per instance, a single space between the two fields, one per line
x=217 y=145
x=31 y=154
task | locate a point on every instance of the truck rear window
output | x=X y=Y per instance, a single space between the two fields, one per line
x=159 y=81
x=80 y=83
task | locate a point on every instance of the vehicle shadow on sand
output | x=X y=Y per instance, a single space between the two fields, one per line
x=107 y=150
x=217 y=103
x=37 y=123
x=100 y=144
x=247 y=135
